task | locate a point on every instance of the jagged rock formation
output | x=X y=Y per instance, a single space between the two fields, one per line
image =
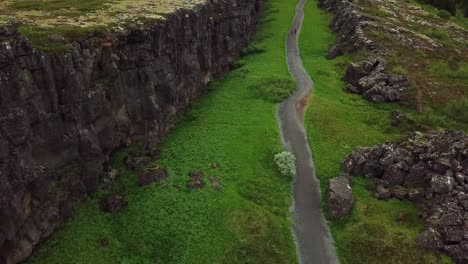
x=348 y=24
x=369 y=79
x=340 y=196
x=61 y=115
x=432 y=171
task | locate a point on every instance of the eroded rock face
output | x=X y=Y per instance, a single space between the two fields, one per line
x=430 y=170
x=369 y=79
x=61 y=115
x=340 y=196
x=348 y=24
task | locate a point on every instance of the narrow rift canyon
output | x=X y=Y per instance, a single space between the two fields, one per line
x=63 y=113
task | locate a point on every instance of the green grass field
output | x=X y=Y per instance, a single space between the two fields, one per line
x=248 y=221
x=337 y=123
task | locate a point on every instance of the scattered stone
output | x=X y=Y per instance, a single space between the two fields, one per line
x=215 y=185
x=136 y=163
x=369 y=79
x=383 y=193
x=442 y=184
x=151 y=175
x=214 y=165
x=402 y=217
x=104 y=242
x=340 y=196
x=429 y=239
x=415 y=195
x=138 y=158
x=196 y=180
x=57 y=38
x=399 y=192
x=113 y=203
x=453 y=235
x=112 y=174
x=427 y=169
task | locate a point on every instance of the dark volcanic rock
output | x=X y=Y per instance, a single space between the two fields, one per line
x=340 y=196
x=151 y=175
x=424 y=169
x=136 y=163
x=113 y=203
x=196 y=180
x=368 y=78
x=430 y=239
x=348 y=24
x=215 y=185
x=2 y=238
x=383 y=193
x=62 y=115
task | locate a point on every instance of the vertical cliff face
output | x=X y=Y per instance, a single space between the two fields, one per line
x=61 y=115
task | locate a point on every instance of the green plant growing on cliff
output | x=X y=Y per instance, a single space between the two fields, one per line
x=40 y=36
x=444 y=14
x=286 y=163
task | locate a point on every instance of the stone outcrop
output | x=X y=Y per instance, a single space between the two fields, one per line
x=369 y=79
x=61 y=115
x=348 y=24
x=432 y=171
x=340 y=196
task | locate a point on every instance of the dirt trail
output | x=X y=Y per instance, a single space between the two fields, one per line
x=314 y=242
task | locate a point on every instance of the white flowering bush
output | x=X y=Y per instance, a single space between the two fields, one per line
x=286 y=163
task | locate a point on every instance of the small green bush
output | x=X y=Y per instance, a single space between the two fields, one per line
x=286 y=163
x=451 y=70
x=400 y=70
x=457 y=111
x=253 y=48
x=444 y=14
x=273 y=89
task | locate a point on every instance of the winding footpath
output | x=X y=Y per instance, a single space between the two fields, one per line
x=314 y=242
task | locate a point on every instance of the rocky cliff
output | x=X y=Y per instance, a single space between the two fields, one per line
x=61 y=115
x=430 y=170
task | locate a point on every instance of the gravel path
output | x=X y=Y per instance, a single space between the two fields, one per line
x=314 y=242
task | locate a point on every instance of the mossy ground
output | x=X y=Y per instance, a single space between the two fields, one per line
x=248 y=221
x=74 y=19
x=338 y=122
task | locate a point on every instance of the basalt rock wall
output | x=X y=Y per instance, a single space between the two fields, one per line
x=61 y=115
x=368 y=77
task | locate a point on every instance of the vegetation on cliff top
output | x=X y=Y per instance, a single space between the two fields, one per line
x=248 y=221
x=72 y=19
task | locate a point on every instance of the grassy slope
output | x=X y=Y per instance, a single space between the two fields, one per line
x=337 y=122
x=247 y=222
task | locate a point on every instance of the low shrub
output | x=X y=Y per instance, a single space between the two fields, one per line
x=273 y=89
x=286 y=163
x=444 y=14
